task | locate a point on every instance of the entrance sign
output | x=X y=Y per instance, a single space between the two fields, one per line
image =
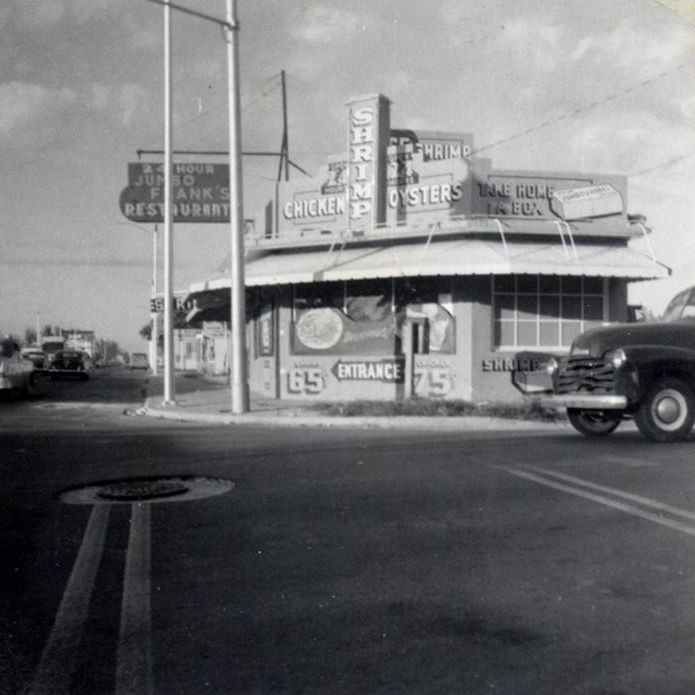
x=200 y=192
x=386 y=370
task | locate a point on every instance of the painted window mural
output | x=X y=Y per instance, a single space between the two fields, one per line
x=545 y=310
x=366 y=317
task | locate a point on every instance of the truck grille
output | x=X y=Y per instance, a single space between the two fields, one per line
x=586 y=374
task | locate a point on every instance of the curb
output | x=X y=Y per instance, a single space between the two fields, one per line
x=445 y=424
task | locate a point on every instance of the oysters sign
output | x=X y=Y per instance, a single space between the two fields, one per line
x=200 y=192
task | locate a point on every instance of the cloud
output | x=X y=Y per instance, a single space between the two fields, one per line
x=633 y=44
x=631 y=147
x=324 y=25
x=121 y=103
x=45 y=14
x=30 y=115
x=687 y=107
x=129 y=99
x=42 y=14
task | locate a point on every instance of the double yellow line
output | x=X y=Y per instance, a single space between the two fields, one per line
x=134 y=658
x=636 y=505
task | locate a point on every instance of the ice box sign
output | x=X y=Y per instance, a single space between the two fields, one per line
x=586 y=202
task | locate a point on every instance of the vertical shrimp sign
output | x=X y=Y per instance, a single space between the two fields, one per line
x=368 y=137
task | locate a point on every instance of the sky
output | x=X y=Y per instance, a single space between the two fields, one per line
x=568 y=85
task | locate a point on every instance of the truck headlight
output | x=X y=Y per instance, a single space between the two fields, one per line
x=551 y=366
x=616 y=357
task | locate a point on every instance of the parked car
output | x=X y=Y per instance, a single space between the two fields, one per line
x=71 y=363
x=138 y=360
x=16 y=372
x=35 y=355
x=641 y=371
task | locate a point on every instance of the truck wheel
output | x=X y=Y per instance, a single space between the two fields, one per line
x=591 y=423
x=667 y=412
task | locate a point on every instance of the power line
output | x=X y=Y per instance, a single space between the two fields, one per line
x=663 y=165
x=583 y=109
x=259 y=93
x=672 y=10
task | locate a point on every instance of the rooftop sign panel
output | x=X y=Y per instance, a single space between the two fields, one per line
x=414 y=179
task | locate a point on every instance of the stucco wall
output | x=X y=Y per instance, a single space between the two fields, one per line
x=475 y=372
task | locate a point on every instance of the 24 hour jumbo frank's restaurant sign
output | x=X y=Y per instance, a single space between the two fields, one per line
x=398 y=178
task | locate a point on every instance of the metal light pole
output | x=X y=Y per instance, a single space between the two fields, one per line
x=154 y=319
x=168 y=218
x=238 y=370
x=153 y=313
x=238 y=375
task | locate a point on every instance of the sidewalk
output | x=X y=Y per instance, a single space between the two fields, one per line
x=212 y=405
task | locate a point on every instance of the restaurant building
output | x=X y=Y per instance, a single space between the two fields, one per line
x=409 y=266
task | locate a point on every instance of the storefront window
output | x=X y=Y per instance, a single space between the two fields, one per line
x=545 y=311
x=366 y=316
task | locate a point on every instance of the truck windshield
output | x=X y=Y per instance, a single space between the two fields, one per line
x=50 y=346
x=674 y=310
x=6 y=348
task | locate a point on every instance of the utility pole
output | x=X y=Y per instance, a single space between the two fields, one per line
x=238 y=371
x=284 y=148
x=168 y=218
x=154 y=327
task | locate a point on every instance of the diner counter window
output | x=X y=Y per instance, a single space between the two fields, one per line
x=545 y=311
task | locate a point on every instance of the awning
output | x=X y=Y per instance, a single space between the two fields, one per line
x=446 y=257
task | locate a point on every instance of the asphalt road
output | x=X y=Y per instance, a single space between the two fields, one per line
x=340 y=562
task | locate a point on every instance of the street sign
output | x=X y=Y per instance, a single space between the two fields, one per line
x=200 y=193
x=180 y=304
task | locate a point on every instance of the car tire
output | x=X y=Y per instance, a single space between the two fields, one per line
x=592 y=423
x=667 y=411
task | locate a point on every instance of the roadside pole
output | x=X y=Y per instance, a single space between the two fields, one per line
x=169 y=398
x=154 y=328
x=238 y=371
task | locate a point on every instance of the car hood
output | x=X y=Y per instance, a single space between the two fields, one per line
x=624 y=335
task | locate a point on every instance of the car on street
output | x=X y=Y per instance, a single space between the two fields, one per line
x=640 y=371
x=71 y=363
x=16 y=373
x=35 y=355
x=138 y=360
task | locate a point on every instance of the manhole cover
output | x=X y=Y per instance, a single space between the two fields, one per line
x=134 y=490
x=169 y=489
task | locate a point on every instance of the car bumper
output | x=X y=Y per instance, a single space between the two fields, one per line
x=586 y=401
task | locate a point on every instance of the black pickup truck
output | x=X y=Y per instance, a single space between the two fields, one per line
x=643 y=371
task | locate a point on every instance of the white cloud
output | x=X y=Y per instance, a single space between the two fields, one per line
x=626 y=142
x=121 y=103
x=130 y=98
x=42 y=14
x=687 y=107
x=83 y=10
x=323 y=25
x=30 y=114
x=98 y=97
